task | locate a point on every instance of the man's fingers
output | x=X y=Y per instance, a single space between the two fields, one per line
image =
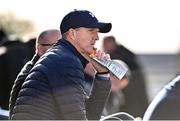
x=102 y=55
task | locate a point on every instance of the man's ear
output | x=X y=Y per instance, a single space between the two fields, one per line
x=39 y=49
x=73 y=33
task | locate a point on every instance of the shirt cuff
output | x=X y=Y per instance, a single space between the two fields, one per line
x=105 y=77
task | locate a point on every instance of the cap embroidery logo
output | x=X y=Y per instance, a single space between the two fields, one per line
x=92 y=15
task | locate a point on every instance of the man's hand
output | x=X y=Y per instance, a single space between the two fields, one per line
x=100 y=55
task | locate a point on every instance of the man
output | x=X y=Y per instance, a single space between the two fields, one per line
x=54 y=89
x=135 y=94
x=44 y=41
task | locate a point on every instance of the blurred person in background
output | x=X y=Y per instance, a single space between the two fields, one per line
x=3 y=37
x=3 y=50
x=44 y=41
x=31 y=45
x=135 y=94
x=13 y=55
x=116 y=98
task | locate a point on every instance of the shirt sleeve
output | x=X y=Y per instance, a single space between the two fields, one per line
x=100 y=92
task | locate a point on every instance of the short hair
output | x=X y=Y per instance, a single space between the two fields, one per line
x=109 y=39
x=42 y=36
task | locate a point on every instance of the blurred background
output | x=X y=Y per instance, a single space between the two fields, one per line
x=150 y=29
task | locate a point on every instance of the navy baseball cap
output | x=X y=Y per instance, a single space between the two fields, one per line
x=83 y=18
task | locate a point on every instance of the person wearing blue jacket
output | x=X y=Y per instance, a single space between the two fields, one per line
x=44 y=41
x=54 y=88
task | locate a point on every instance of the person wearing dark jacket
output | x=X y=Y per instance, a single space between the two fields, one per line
x=54 y=88
x=135 y=96
x=165 y=106
x=44 y=41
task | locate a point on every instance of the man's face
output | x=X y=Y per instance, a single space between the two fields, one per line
x=44 y=48
x=108 y=46
x=86 y=39
x=51 y=39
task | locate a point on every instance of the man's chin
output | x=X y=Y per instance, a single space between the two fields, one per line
x=90 y=51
